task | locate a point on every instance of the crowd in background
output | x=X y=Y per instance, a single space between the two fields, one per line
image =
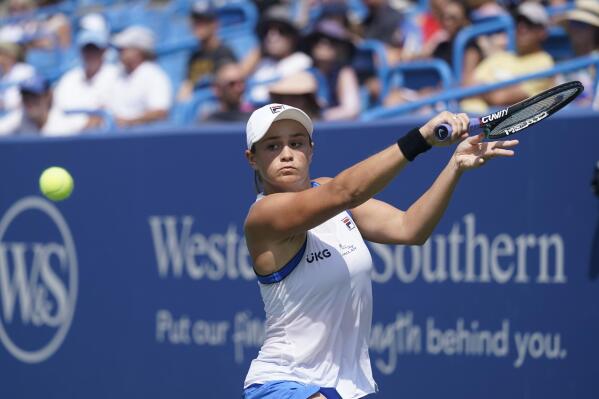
x=299 y=60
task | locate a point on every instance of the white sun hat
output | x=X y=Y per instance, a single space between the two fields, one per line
x=262 y=118
x=136 y=36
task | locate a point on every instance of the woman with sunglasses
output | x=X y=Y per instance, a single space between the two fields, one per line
x=278 y=55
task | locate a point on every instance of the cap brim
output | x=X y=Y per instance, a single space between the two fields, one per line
x=296 y=115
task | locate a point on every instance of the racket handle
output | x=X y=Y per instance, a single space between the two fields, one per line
x=444 y=130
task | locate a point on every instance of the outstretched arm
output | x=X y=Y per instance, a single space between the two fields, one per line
x=349 y=189
x=383 y=223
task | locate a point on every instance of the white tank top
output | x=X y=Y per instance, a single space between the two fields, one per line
x=319 y=312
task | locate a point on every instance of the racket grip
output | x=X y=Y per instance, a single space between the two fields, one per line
x=444 y=130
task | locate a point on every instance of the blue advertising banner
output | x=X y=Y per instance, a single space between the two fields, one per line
x=140 y=284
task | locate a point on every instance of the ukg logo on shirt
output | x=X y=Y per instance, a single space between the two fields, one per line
x=38 y=279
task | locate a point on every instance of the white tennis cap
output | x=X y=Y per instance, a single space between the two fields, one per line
x=263 y=117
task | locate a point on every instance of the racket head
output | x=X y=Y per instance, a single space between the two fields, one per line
x=530 y=111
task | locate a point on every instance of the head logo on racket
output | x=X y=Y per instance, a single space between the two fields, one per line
x=521 y=115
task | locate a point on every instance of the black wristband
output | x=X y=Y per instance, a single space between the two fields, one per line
x=413 y=144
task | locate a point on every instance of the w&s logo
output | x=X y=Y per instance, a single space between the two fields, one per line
x=38 y=279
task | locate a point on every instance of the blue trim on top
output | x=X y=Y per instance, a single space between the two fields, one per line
x=314 y=184
x=285 y=270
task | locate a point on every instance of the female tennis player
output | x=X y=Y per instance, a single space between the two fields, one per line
x=306 y=238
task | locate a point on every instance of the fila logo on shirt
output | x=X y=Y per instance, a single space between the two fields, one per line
x=320 y=255
x=349 y=223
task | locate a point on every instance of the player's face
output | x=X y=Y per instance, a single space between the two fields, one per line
x=283 y=157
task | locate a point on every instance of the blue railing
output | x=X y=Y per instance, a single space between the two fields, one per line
x=396 y=75
x=500 y=23
x=564 y=67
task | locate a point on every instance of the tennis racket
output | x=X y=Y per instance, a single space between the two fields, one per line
x=521 y=115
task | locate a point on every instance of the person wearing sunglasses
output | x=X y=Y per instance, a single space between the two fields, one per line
x=278 y=55
x=229 y=87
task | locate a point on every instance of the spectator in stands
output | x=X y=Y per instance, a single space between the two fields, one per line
x=49 y=31
x=532 y=21
x=383 y=23
x=278 y=55
x=454 y=17
x=331 y=50
x=96 y=22
x=38 y=118
x=212 y=53
x=87 y=87
x=483 y=9
x=582 y=24
x=309 y=13
x=480 y=10
x=430 y=22
x=12 y=71
x=142 y=92
x=297 y=90
x=229 y=87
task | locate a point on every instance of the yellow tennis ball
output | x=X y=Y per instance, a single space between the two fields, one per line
x=56 y=183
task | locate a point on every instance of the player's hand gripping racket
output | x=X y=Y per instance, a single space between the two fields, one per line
x=521 y=115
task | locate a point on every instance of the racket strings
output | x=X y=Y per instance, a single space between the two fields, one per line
x=534 y=112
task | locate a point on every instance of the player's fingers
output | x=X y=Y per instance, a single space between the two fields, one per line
x=456 y=126
x=500 y=152
x=465 y=120
x=477 y=139
x=506 y=143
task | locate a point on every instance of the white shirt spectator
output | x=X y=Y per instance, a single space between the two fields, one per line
x=147 y=88
x=75 y=91
x=10 y=98
x=269 y=69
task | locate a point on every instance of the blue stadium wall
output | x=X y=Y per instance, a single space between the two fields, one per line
x=140 y=285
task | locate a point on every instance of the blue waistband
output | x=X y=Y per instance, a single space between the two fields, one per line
x=287 y=390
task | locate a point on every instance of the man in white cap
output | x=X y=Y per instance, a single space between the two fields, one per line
x=306 y=240
x=532 y=21
x=142 y=92
x=87 y=87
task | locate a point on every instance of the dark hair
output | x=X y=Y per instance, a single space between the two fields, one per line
x=257 y=178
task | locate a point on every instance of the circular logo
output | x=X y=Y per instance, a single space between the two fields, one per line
x=38 y=282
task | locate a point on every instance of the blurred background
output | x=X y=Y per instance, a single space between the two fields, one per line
x=70 y=67
x=140 y=284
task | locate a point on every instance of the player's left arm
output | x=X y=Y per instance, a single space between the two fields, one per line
x=383 y=223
